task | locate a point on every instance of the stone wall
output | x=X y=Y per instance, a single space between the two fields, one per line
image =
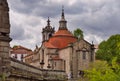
x=65 y=54
x=83 y=55
x=24 y=72
x=4 y=17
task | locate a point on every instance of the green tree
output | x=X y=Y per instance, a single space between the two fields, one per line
x=102 y=71
x=109 y=49
x=2 y=77
x=78 y=33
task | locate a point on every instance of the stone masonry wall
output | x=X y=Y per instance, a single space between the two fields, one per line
x=24 y=72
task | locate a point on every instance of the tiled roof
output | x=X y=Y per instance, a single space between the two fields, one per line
x=20 y=47
x=49 y=45
x=20 y=50
x=60 y=39
x=63 y=33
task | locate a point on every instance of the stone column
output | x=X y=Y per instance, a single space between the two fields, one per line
x=75 y=64
x=4 y=39
x=4 y=54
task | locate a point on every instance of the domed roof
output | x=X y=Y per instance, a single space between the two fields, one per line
x=63 y=33
x=62 y=37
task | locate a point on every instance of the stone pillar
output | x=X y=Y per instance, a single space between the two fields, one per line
x=92 y=52
x=4 y=55
x=4 y=39
x=75 y=64
x=4 y=17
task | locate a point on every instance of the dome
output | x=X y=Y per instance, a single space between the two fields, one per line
x=63 y=33
x=60 y=39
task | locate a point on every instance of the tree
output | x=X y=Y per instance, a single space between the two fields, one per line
x=2 y=77
x=109 y=49
x=102 y=71
x=78 y=33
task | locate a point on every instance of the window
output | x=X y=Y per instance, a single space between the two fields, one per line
x=16 y=56
x=21 y=57
x=84 y=54
x=64 y=65
x=42 y=54
x=50 y=35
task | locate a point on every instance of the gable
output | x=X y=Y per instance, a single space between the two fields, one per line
x=82 y=44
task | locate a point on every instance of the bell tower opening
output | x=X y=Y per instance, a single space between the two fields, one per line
x=47 y=32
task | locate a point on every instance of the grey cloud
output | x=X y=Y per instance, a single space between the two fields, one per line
x=35 y=7
x=101 y=19
x=18 y=33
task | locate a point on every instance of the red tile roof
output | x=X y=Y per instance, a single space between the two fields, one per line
x=20 y=50
x=63 y=33
x=60 y=39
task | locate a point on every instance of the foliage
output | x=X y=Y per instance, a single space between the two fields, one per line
x=102 y=71
x=2 y=77
x=78 y=33
x=109 y=49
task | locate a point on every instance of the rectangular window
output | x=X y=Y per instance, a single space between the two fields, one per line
x=84 y=55
x=42 y=54
x=16 y=56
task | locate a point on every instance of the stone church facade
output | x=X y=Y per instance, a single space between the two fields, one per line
x=60 y=50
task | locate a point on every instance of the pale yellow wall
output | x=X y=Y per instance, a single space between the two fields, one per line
x=65 y=55
x=47 y=53
x=58 y=65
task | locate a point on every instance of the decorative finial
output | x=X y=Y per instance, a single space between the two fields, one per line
x=62 y=12
x=62 y=8
x=48 y=22
x=36 y=46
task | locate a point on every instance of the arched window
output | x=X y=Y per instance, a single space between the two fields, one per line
x=43 y=37
x=50 y=35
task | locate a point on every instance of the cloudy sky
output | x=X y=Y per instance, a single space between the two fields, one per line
x=99 y=19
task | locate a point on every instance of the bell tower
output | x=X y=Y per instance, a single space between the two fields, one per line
x=4 y=37
x=47 y=32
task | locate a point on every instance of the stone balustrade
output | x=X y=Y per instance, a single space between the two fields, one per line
x=25 y=71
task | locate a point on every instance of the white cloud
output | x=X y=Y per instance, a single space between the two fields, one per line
x=26 y=29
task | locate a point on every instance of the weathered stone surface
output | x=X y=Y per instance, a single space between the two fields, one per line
x=4 y=17
x=4 y=39
x=25 y=72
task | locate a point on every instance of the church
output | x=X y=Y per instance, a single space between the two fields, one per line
x=61 y=50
